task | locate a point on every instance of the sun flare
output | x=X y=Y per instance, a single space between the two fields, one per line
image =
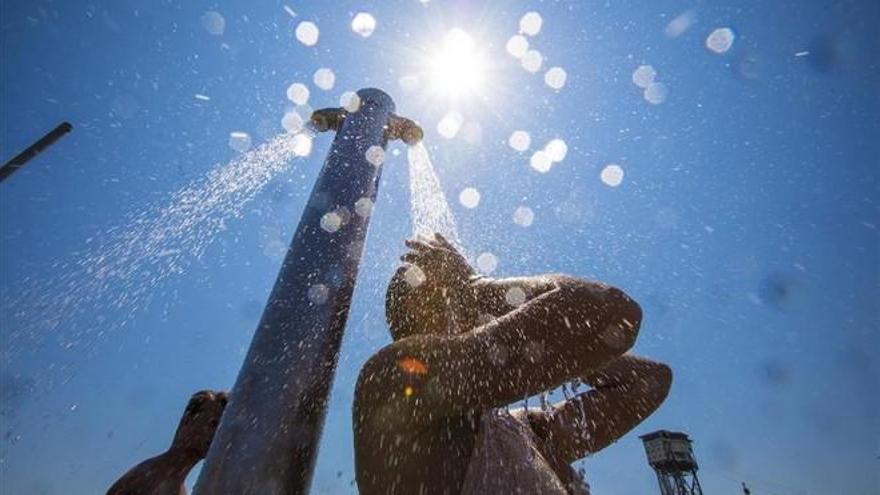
x=456 y=69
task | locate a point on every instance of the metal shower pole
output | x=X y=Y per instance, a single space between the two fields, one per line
x=33 y=150
x=268 y=438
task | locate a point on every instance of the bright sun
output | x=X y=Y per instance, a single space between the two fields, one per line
x=457 y=68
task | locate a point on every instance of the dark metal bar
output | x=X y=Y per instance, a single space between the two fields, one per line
x=33 y=150
x=268 y=438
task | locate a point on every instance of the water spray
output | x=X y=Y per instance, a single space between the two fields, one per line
x=268 y=438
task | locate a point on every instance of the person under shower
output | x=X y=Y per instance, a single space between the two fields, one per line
x=430 y=410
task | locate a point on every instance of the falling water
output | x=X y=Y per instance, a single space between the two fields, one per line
x=429 y=209
x=124 y=270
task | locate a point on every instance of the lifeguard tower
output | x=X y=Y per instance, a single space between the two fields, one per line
x=671 y=454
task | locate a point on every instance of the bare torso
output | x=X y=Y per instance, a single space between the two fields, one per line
x=432 y=459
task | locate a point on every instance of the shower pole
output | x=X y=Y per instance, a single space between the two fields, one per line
x=19 y=160
x=268 y=438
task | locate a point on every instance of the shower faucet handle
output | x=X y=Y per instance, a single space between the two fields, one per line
x=404 y=129
x=331 y=119
x=327 y=119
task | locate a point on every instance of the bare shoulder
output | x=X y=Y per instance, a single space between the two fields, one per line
x=384 y=378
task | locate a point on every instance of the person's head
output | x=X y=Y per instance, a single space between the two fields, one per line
x=199 y=422
x=418 y=303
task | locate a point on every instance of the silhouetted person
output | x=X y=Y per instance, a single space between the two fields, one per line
x=428 y=412
x=165 y=474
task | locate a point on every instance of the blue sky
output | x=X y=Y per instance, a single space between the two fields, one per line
x=746 y=223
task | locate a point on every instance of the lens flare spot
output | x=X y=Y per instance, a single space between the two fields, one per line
x=555 y=77
x=643 y=76
x=324 y=78
x=530 y=24
x=541 y=161
x=557 y=150
x=523 y=216
x=520 y=141
x=487 y=262
x=307 y=33
x=412 y=365
x=350 y=101
x=375 y=155
x=450 y=124
x=363 y=24
x=298 y=93
x=720 y=40
x=469 y=197
x=656 y=93
x=517 y=46
x=612 y=175
x=532 y=61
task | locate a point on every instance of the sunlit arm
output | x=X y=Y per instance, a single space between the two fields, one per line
x=161 y=475
x=623 y=394
x=570 y=330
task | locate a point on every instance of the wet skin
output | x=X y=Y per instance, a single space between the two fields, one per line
x=165 y=474
x=464 y=345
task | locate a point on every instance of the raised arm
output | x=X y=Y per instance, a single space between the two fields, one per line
x=624 y=393
x=166 y=472
x=571 y=330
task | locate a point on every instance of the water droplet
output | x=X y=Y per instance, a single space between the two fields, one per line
x=515 y=296
x=555 y=78
x=517 y=46
x=213 y=22
x=530 y=24
x=469 y=197
x=375 y=155
x=350 y=101
x=556 y=149
x=318 y=293
x=239 y=141
x=292 y=122
x=298 y=93
x=324 y=78
x=541 y=161
x=656 y=93
x=523 y=216
x=680 y=24
x=643 y=76
x=275 y=249
x=302 y=145
x=331 y=222
x=720 y=40
x=612 y=175
x=363 y=207
x=414 y=276
x=487 y=263
x=520 y=140
x=363 y=24
x=450 y=124
x=532 y=61
x=307 y=33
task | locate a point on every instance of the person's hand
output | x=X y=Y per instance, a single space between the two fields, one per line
x=441 y=262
